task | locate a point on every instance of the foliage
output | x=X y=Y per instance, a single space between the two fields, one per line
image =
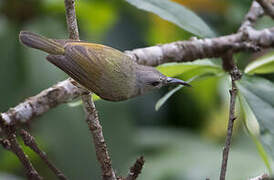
x=262 y=65
x=176 y=14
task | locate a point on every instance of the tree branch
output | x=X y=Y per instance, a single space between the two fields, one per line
x=268 y=6
x=71 y=19
x=235 y=75
x=30 y=142
x=37 y=105
x=91 y=112
x=261 y=177
x=11 y=144
x=228 y=65
x=136 y=169
x=183 y=51
x=98 y=138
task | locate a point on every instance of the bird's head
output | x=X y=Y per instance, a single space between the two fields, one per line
x=148 y=78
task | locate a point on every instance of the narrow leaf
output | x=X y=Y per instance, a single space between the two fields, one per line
x=177 y=14
x=253 y=129
x=262 y=153
x=75 y=103
x=250 y=120
x=259 y=95
x=263 y=65
x=79 y=102
x=176 y=69
x=162 y=100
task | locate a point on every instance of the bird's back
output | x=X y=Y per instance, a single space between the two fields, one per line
x=111 y=73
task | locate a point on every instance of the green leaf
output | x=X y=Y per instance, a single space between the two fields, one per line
x=75 y=103
x=250 y=120
x=177 y=14
x=253 y=129
x=263 y=65
x=203 y=66
x=162 y=100
x=259 y=95
x=194 y=70
x=262 y=153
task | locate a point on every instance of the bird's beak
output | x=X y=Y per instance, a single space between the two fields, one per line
x=177 y=82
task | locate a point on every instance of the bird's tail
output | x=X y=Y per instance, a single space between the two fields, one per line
x=39 y=42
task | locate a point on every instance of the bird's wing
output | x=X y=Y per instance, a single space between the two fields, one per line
x=106 y=67
x=75 y=71
x=86 y=59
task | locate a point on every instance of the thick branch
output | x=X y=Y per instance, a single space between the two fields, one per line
x=183 y=51
x=37 y=105
x=98 y=138
x=30 y=142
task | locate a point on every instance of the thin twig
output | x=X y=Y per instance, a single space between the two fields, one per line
x=268 y=6
x=233 y=92
x=98 y=138
x=136 y=169
x=235 y=75
x=252 y=15
x=71 y=19
x=30 y=142
x=11 y=144
x=91 y=112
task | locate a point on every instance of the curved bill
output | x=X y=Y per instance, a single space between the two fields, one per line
x=175 y=81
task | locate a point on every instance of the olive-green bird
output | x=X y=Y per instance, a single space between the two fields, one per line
x=107 y=72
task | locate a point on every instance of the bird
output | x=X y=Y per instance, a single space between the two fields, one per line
x=103 y=70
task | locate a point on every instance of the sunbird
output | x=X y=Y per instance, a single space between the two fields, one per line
x=103 y=70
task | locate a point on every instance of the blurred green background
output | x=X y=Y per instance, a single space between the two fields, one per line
x=183 y=140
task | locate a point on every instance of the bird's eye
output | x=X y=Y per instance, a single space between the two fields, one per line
x=155 y=83
x=169 y=79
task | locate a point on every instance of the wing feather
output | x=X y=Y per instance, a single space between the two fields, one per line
x=73 y=70
x=109 y=70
